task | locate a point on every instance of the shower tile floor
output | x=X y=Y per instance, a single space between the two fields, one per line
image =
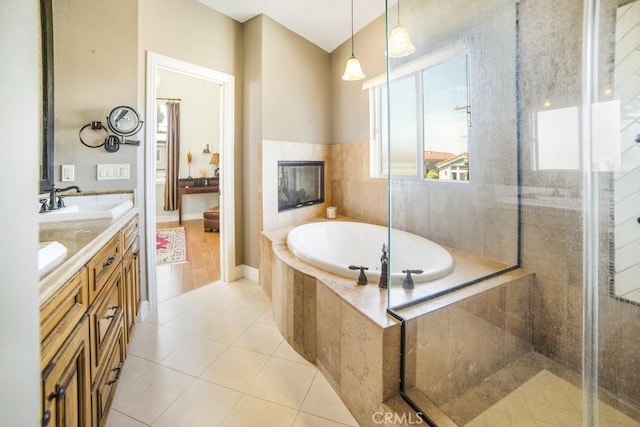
x=214 y=357
x=532 y=391
x=545 y=400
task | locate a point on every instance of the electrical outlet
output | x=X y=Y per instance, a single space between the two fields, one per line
x=68 y=173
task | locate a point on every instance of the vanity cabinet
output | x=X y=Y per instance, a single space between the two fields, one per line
x=85 y=328
x=131 y=277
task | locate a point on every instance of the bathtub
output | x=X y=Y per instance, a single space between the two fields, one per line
x=333 y=246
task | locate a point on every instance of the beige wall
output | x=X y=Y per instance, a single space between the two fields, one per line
x=252 y=208
x=192 y=32
x=296 y=87
x=289 y=85
x=349 y=103
x=100 y=50
x=95 y=66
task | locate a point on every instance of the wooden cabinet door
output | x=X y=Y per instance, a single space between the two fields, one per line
x=131 y=276
x=105 y=315
x=66 y=382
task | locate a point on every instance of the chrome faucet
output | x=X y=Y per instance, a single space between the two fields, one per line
x=55 y=201
x=384 y=261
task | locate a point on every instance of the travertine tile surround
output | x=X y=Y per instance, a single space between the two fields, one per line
x=344 y=328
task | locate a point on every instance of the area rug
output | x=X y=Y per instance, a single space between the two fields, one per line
x=171 y=245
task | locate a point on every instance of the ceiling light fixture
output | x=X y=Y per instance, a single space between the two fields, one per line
x=352 y=70
x=399 y=42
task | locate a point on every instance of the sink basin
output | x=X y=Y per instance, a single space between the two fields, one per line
x=50 y=254
x=98 y=210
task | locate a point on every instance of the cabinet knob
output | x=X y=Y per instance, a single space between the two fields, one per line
x=58 y=394
x=110 y=261
x=115 y=309
x=46 y=417
x=115 y=379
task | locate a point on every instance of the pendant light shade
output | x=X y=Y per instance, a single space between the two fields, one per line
x=352 y=70
x=399 y=42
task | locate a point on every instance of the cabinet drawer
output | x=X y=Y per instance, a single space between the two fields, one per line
x=60 y=314
x=105 y=318
x=103 y=264
x=107 y=382
x=129 y=234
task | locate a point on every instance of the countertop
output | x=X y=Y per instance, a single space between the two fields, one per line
x=82 y=240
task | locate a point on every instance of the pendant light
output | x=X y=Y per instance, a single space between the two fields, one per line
x=352 y=70
x=399 y=42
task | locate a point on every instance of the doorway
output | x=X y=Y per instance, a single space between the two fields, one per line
x=156 y=65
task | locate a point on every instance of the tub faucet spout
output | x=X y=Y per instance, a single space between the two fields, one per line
x=384 y=261
x=362 y=278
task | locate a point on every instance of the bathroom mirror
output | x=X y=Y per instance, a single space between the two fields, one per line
x=46 y=127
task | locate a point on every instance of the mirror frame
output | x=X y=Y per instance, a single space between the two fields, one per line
x=46 y=30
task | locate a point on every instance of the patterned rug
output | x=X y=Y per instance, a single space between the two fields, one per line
x=171 y=245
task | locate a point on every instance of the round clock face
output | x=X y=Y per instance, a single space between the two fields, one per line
x=124 y=120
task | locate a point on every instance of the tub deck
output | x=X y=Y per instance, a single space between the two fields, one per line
x=344 y=328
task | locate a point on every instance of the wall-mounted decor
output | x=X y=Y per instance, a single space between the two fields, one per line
x=300 y=184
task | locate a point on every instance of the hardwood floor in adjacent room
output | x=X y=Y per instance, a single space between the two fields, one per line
x=202 y=266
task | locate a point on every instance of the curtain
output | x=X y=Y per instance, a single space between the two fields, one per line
x=173 y=156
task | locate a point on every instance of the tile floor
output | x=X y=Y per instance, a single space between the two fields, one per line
x=213 y=357
x=546 y=400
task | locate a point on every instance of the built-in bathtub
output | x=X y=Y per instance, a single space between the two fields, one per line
x=335 y=245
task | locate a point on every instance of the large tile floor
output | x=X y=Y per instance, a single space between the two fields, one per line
x=213 y=357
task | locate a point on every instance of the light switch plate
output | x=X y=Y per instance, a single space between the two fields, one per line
x=107 y=172
x=67 y=173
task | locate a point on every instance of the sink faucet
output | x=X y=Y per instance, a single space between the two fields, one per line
x=56 y=202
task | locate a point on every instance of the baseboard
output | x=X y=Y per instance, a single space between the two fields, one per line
x=145 y=312
x=250 y=273
x=185 y=217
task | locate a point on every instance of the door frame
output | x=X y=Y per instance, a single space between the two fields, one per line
x=156 y=62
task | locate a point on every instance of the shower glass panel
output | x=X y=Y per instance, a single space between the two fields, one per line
x=537 y=321
x=451 y=128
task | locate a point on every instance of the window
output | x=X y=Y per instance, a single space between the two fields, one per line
x=427 y=118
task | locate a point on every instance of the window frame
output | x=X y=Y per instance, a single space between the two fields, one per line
x=381 y=83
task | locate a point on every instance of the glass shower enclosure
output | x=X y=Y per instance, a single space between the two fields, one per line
x=510 y=138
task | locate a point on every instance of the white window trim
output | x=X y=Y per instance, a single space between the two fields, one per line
x=375 y=140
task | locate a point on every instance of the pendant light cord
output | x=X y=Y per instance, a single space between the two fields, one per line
x=352 y=28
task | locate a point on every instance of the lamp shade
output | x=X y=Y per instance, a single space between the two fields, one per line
x=215 y=159
x=399 y=43
x=353 y=70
